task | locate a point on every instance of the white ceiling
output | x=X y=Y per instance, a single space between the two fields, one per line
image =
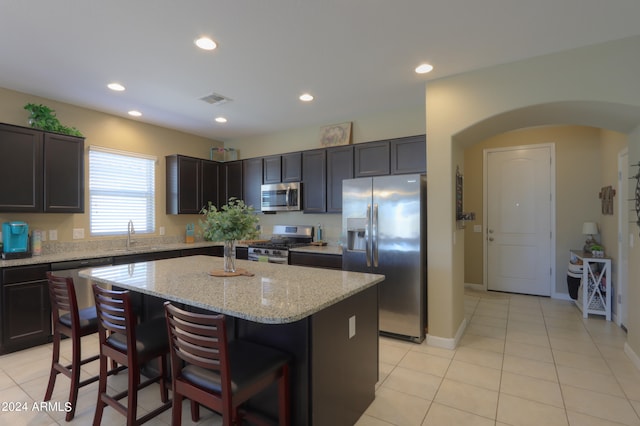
x=355 y=56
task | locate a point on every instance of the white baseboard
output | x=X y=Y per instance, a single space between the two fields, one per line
x=448 y=343
x=475 y=287
x=562 y=296
x=632 y=355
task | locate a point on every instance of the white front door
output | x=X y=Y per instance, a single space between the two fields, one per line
x=519 y=219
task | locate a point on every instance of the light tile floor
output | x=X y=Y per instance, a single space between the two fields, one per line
x=523 y=360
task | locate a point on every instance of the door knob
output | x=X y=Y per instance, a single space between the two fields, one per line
x=490 y=238
x=491 y=231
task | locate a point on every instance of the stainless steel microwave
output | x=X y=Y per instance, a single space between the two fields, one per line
x=281 y=197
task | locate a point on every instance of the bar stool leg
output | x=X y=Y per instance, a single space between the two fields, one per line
x=132 y=397
x=75 y=376
x=284 y=414
x=55 y=359
x=102 y=388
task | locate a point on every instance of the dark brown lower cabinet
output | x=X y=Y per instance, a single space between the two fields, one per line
x=26 y=312
x=316 y=260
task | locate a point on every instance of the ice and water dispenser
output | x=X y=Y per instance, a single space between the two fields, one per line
x=356 y=233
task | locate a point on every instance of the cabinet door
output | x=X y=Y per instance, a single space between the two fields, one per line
x=292 y=167
x=209 y=183
x=63 y=174
x=26 y=311
x=188 y=185
x=272 y=169
x=251 y=182
x=409 y=155
x=314 y=178
x=329 y=261
x=372 y=159
x=339 y=167
x=231 y=180
x=21 y=166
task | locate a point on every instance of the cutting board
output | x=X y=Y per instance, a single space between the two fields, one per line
x=237 y=273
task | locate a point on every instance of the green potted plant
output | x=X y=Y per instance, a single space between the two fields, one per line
x=232 y=222
x=44 y=118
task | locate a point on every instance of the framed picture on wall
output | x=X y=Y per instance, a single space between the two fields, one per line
x=335 y=134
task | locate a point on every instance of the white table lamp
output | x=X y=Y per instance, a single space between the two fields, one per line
x=590 y=229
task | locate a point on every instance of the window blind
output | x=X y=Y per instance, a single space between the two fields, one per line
x=121 y=188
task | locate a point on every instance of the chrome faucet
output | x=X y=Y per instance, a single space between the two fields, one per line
x=130 y=232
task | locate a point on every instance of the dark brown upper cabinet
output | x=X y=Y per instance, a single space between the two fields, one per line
x=272 y=169
x=282 y=168
x=314 y=181
x=230 y=181
x=372 y=159
x=339 y=167
x=63 y=174
x=191 y=184
x=251 y=182
x=292 y=167
x=409 y=155
x=46 y=171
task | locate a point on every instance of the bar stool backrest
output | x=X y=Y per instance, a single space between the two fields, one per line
x=200 y=340
x=62 y=295
x=115 y=316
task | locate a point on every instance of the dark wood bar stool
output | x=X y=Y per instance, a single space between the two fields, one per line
x=69 y=321
x=131 y=345
x=218 y=374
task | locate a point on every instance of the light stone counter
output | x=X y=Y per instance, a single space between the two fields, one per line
x=276 y=294
x=99 y=252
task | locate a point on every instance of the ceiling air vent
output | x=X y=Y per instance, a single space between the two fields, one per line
x=215 y=99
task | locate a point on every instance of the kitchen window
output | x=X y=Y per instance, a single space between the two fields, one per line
x=121 y=188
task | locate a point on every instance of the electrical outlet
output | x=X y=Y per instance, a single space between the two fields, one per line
x=477 y=228
x=53 y=234
x=162 y=230
x=352 y=326
x=78 y=233
x=43 y=236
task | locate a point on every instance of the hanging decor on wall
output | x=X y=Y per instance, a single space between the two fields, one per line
x=606 y=196
x=335 y=134
x=636 y=199
x=461 y=216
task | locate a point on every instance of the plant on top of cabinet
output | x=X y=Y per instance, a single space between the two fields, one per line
x=44 y=118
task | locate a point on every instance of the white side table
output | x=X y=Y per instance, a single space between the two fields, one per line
x=596 y=285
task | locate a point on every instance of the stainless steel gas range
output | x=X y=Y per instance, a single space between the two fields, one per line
x=283 y=238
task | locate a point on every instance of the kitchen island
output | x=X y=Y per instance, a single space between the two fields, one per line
x=328 y=321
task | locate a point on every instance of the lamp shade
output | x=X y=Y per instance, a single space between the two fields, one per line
x=589 y=228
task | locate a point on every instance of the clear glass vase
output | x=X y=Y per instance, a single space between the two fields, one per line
x=230 y=256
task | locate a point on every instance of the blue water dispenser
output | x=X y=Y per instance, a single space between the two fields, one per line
x=15 y=237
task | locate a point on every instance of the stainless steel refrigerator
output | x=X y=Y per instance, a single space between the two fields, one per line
x=384 y=231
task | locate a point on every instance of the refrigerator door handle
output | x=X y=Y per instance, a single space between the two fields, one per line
x=367 y=236
x=375 y=235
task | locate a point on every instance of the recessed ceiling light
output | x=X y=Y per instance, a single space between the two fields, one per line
x=221 y=120
x=424 y=68
x=117 y=87
x=205 y=43
x=306 y=97
x=135 y=113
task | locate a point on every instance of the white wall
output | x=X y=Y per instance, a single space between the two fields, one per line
x=606 y=73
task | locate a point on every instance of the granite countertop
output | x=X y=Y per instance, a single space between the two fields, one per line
x=140 y=248
x=276 y=294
